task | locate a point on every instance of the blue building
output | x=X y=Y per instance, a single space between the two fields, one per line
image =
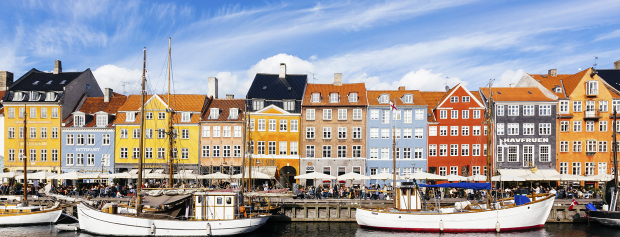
x=409 y=121
x=88 y=134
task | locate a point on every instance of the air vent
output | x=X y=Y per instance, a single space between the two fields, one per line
x=544 y=76
x=35 y=83
x=49 y=82
x=499 y=92
x=264 y=87
x=289 y=88
x=63 y=82
x=529 y=92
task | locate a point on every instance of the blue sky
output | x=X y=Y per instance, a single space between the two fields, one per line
x=423 y=45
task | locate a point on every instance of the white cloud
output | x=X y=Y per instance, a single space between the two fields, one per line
x=508 y=77
x=610 y=35
x=111 y=76
x=294 y=65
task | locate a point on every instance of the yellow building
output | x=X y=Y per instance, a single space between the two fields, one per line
x=186 y=139
x=46 y=99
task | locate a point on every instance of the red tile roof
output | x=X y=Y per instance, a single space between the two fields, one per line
x=93 y=105
x=344 y=90
x=516 y=94
x=181 y=102
x=568 y=82
x=224 y=105
x=373 y=97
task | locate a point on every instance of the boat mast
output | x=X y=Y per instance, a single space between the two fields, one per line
x=615 y=150
x=141 y=149
x=489 y=134
x=169 y=109
x=394 y=159
x=24 y=186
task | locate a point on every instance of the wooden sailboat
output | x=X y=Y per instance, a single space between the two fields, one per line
x=410 y=213
x=213 y=213
x=23 y=214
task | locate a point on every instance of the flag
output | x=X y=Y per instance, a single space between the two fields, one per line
x=573 y=204
x=392 y=107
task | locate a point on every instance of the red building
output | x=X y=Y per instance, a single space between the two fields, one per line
x=456 y=132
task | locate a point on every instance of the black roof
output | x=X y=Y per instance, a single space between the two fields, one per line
x=270 y=86
x=611 y=76
x=46 y=81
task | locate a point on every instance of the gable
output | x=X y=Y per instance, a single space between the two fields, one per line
x=155 y=103
x=460 y=90
x=272 y=109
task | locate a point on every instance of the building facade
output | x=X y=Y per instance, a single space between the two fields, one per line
x=408 y=122
x=274 y=105
x=457 y=137
x=185 y=153
x=334 y=127
x=88 y=137
x=47 y=99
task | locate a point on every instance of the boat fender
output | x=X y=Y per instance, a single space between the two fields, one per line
x=497 y=227
x=441 y=226
x=208 y=229
x=153 y=229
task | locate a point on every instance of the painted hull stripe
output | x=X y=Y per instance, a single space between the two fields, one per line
x=455 y=230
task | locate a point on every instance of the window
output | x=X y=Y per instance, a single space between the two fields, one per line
x=563 y=146
x=443 y=150
x=576 y=126
x=406 y=152
x=21 y=132
x=186 y=117
x=353 y=97
x=342 y=152
x=69 y=158
x=592 y=89
x=442 y=171
x=576 y=146
x=309 y=132
x=484 y=150
x=283 y=147
x=465 y=114
x=216 y=151
x=385 y=133
x=342 y=133
x=513 y=110
x=374 y=153
x=136 y=133
x=258 y=104
x=385 y=118
x=342 y=114
x=602 y=168
x=78 y=120
x=289 y=105
x=206 y=132
x=385 y=153
x=544 y=110
x=316 y=97
x=500 y=154
x=590 y=146
x=11 y=113
x=124 y=153
x=513 y=129
x=603 y=106
x=602 y=126
x=500 y=110
x=79 y=159
x=90 y=139
x=564 y=126
x=327 y=151
x=205 y=151
x=408 y=116
x=22 y=112
x=475 y=170
x=309 y=151
x=602 y=146
x=237 y=131
x=396 y=115
x=476 y=114
x=528 y=156
x=589 y=168
x=464 y=149
x=384 y=99
x=148 y=153
x=185 y=153
x=374 y=114
x=327 y=133
x=260 y=149
x=333 y=98
x=418 y=153
x=528 y=110
x=454 y=170
x=33 y=132
x=407 y=133
x=226 y=151
x=130 y=116
x=475 y=150
x=43 y=112
x=261 y=125
x=185 y=132
x=454 y=150
x=161 y=115
x=545 y=128
x=563 y=167
x=357 y=151
x=454 y=130
x=357 y=114
x=80 y=139
x=465 y=99
x=310 y=114
x=475 y=131
x=136 y=153
x=443 y=131
x=419 y=114
x=432 y=131
x=271 y=148
x=443 y=114
x=576 y=168
x=357 y=133
x=576 y=106
x=33 y=112
x=408 y=99
x=272 y=125
x=124 y=133
x=43 y=155
x=465 y=131
x=589 y=126
x=513 y=153
x=54 y=155
x=327 y=114
x=419 y=133
x=454 y=114
x=293 y=149
x=432 y=150
x=544 y=153
x=374 y=133
x=149 y=115
x=563 y=106
x=454 y=99
x=11 y=132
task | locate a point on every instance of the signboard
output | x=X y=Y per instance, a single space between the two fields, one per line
x=539 y=140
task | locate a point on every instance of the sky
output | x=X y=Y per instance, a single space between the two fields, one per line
x=423 y=45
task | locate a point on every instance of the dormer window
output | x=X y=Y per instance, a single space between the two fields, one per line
x=186 y=116
x=407 y=99
x=49 y=82
x=233 y=113
x=50 y=96
x=289 y=105
x=34 y=96
x=258 y=104
x=214 y=113
x=102 y=120
x=130 y=117
x=592 y=88
x=63 y=82
x=384 y=99
x=316 y=97
x=333 y=98
x=353 y=97
x=454 y=99
x=35 y=83
x=78 y=120
x=557 y=89
x=18 y=96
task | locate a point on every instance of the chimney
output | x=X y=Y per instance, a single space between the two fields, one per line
x=6 y=79
x=401 y=88
x=212 y=87
x=57 y=67
x=512 y=85
x=230 y=96
x=108 y=94
x=553 y=72
x=337 y=79
x=617 y=64
x=282 y=70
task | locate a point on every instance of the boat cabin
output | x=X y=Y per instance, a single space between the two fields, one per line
x=407 y=197
x=19 y=208
x=217 y=205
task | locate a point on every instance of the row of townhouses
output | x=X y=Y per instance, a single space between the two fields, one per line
x=63 y=121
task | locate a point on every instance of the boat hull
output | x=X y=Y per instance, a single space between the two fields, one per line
x=33 y=218
x=101 y=223
x=519 y=218
x=610 y=218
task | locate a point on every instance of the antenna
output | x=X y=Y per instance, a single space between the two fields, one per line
x=123 y=84
x=313 y=78
x=595 y=59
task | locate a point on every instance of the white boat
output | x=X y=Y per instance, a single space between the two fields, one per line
x=462 y=217
x=28 y=215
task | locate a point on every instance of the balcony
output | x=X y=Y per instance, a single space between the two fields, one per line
x=592 y=114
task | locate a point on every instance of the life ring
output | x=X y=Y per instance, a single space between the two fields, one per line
x=242 y=210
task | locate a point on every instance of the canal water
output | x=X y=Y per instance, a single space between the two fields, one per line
x=334 y=229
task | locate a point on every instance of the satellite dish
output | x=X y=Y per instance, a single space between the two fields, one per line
x=447 y=88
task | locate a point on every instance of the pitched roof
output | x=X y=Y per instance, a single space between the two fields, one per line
x=47 y=81
x=516 y=94
x=180 y=102
x=568 y=82
x=432 y=98
x=612 y=77
x=344 y=90
x=270 y=86
x=373 y=97
x=93 y=105
x=224 y=105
